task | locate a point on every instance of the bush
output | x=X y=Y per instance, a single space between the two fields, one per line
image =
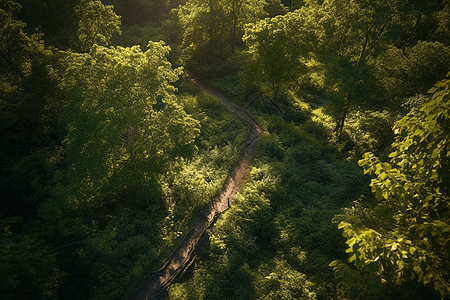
x=270 y=147
x=371 y=131
x=282 y=282
x=307 y=152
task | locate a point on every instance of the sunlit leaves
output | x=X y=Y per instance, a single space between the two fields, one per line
x=274 y=46
x=17 y=48
x=124 y=121
x=414 y=185
x=283 y=282
x=97 y=23
x=211 y=29
x=336 y=41
x=226 y=274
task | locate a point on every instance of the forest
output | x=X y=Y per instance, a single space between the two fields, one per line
x=108 y=151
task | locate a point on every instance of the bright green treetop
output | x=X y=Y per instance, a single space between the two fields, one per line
x=96 y=25
x=125 y=124
x=276 y=46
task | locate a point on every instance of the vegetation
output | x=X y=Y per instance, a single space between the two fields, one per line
x=411 y=235
x=108 y=153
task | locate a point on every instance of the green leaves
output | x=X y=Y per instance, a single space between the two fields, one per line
x=415 y=186
x=28 y=267
x=126 y=128
x=275 y=45
x=96 y=25
x=211 y=29
x=125 y=124
x=18 y=50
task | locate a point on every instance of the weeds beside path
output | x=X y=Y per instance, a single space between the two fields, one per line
x=184 y=255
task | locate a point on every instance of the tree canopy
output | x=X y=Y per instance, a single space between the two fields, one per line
x=411 y=238
x=109 y=150
x=73 y=24
x=124 y=121
x=212 y=29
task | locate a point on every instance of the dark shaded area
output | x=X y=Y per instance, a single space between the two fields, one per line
x=57 y=19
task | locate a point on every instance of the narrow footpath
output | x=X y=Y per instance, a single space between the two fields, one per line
x=155 y=287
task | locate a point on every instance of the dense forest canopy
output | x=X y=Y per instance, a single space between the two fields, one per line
x=108 y=151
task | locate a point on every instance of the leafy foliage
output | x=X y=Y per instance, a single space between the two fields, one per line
x=72 y=24
x=28 y=266
x=413 y=190
x=274 y=47
x=88 y=217
x=371 y=131
x=124 y=121
x=18 y=48
x=283 y=282
x=410 y=71
x=31 y=103
x=96 y=25
x=348 y=51
x=277 y=238
x=212 y=29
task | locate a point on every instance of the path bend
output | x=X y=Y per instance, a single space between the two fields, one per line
x=155 y=287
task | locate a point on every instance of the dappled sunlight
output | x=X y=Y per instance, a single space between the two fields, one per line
x=307 y=158
x=182 y=257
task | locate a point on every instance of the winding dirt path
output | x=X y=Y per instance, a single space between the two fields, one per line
x=184 y=255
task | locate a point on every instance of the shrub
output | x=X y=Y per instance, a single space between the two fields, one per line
x=270 y=146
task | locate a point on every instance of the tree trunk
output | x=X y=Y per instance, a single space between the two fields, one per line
x=341 y=121
x=233 y=42
x=211 y=28
x=340 y=124
x=275 y=92
x=414 y=30
x=236 y=13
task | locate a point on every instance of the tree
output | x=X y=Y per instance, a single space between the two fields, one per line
x=28 y=267
x=211 y=29
x=350 y=37
x=336 y=41
x=17 y=48
x=418 y=21
x=442 y=34
x=96 y=25
x=124 y=123
x=72 y=24
x=274 y=46
x=243 y=12
x=55 y=18
x=413 y=70
x=31 y=102
x=202 y=31
x=410 y=241
x=140 y=12
x=346 y=50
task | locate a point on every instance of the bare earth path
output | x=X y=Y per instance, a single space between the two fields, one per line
x=184 y=255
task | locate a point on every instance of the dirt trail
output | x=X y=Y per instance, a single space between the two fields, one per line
x=184 y=255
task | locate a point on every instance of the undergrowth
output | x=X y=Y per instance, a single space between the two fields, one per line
x=187 y=191
x=136 y=241
x=278 y=238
